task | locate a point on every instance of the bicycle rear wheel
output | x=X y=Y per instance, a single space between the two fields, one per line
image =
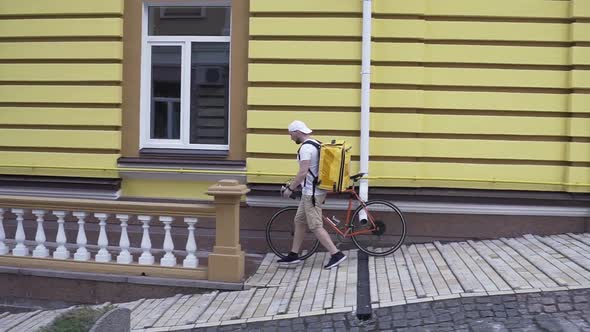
x=280 y=230
x=384 y=231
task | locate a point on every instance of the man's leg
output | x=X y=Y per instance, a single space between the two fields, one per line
x=299 y=223
x=315 y=223
x=298 y=237
x=325 y=240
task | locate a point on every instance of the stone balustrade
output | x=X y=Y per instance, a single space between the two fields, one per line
x=114 y=253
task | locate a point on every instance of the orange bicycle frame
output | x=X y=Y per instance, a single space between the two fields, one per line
x=348 y=222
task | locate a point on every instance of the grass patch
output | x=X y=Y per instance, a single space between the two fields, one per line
x=77 y=320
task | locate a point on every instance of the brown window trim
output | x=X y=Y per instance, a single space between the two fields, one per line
x=130 y=147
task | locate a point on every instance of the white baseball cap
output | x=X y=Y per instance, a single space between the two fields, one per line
x=299 y=126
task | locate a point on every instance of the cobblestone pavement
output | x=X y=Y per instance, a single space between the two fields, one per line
x=566 y=311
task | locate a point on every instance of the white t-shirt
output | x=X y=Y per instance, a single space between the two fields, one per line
x=311 y=153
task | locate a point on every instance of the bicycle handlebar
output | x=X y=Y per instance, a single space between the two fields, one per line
x=357 y=176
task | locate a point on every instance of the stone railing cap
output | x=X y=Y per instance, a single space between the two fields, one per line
x=228 y=187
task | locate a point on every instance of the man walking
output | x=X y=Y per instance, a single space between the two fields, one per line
x=310 y=207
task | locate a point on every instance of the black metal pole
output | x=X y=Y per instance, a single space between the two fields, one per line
x=363 y=289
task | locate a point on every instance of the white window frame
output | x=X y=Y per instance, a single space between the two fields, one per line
x=146 y=64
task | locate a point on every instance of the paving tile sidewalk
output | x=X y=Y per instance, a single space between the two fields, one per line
x=418 y=274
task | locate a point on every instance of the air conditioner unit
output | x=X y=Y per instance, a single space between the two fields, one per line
x=209 y=75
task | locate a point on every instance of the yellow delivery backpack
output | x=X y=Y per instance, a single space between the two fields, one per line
x=334 y=166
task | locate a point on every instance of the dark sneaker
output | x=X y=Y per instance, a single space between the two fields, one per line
x=291 y=258
x=335 y=260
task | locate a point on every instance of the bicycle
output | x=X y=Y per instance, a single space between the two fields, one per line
x=381 y=233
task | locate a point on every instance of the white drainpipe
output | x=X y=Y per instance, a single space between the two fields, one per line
x=365 y=98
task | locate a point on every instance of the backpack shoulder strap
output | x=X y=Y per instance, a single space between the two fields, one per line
x=315 y=143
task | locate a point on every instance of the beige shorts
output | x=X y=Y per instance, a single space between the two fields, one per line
x=308 y=213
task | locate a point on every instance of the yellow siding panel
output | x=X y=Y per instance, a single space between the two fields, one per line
x=61 y=72
x=423 y=123
x=38 y=160
x=470 y=100
x=425 y=147
x=60 y=116
x=580 y=8
x=305 y=6
x=61 y=50
x=46 y=138
x=310 y=50
x=580 y=55
x=469 y=30
x=60 y=94
x=500 y=8
x=415 y=99
x=306 y=26
x=36 y=7
x=580 y=103
x=315 y=120
x=468 y=124
x=580 y=127
x=303 y=96
x=53 y=159
x=580 y=32
x=428 y=174
x=258 y=72
x=281 y=169
x=166 y=189
x=579 y=152
x=473 y=176
x=282 y=144
x=419 y=76
x=63 y=27
x=580 y=176
x=467 y=148
x=468 y=77
x=580 y=79
x=418 y=52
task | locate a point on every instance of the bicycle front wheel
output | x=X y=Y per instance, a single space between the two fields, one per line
x=280 y=231
x=382 y=232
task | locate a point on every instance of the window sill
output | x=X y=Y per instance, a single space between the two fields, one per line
x=182 y=153
x=182 y=158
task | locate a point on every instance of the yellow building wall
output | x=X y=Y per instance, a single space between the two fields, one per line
x=464 y=93
x=60 y=86
x=166 y=188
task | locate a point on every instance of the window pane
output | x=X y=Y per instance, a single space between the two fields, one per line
x=209 y=93
x=189 y=21
x=165 y=98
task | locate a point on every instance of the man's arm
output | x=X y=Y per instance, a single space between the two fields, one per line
x=300 y=177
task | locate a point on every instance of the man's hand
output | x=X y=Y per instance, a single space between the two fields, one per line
x=286 y=192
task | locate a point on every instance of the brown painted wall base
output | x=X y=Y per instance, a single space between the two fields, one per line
x=428 y=227
x=33 y=291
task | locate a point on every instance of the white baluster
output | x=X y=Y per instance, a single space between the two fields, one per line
x=191 y=245
x=61 y=252
x=103 y=254
x=3 y=247
x=40 y=250
x=19 y=237
x=168 y=259
x=124 y=256
x=82 y=253
x=146 y=257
